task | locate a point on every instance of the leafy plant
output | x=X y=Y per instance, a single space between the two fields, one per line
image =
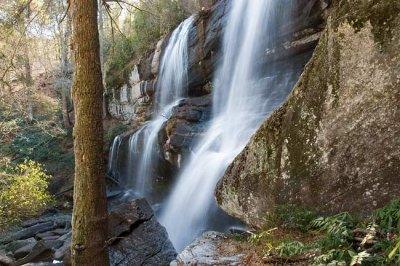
x=395 y=253
x=153 y=19
x=358 y=258
x=388 y=217
x=290 y=248
x=292 y=217
x=258 y=238
x=338 y=226
x=23 y=191
x=332 y=258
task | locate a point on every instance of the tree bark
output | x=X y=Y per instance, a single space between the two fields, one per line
x=89 y=223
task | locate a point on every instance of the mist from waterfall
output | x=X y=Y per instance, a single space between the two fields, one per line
x=144 y=151
x=243 y=97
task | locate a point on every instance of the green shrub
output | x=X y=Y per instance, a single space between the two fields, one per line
x=23 y=192
x=142 y=30
x=388 y=217
x=394 y=255
x=35 y=144
x=292 y=217
x=259 y=237
x=342 y=240
x=290 y=248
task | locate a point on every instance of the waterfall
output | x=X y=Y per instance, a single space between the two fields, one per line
x=242 y=99
x=173 y=74
x=113 y=156
x=144 y=151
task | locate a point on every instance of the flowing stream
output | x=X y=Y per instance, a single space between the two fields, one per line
x=242 y=99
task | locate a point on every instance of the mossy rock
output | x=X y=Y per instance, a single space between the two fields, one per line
x=333 y=146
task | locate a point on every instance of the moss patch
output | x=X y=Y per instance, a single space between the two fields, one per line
x=382 y=14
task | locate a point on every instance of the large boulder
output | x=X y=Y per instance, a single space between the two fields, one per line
x=334 y=145
x=136 y=236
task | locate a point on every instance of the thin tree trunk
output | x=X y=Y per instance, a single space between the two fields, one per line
x=89 y=223
x=27 y=67
x=65 y=115
x=64 y=39
x=101 y=38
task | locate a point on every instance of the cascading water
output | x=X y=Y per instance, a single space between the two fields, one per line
x=243 y=98
x=144 y=152
x=113 y=155
x=173 y=77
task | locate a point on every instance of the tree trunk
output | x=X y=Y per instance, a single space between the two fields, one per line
x=89 y=223
x=27 y=68
x=101 y=38
x=64 y=41
x=65 y=114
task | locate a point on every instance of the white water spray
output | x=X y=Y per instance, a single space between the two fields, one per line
x=242 y=99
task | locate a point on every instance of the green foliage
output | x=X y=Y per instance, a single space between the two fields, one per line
x=388 y=217
x=332 y=258
x=292 y=217
x=119 y=52
x=145 y=27
x=260 y=237
x=338 y=227
x=358 y=258
x=388 y=222
x=290 y=248
x=23 y=191
x=336 y=245
x=394 y=255
x=39 y=139
x=341 y=239
x=35 y=144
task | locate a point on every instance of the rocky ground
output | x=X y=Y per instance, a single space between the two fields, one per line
x=135 y=238
x=214 y=248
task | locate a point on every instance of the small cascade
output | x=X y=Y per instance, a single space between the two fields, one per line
x=113 y=157
x=242 y=99
x=173 y=74
x=144 y=151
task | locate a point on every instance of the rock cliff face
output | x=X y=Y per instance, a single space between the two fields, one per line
x=334 y=145
x=289 y=51
x=133 y=100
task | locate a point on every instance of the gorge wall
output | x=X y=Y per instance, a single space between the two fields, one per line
x=334 y=145
x=133 y=102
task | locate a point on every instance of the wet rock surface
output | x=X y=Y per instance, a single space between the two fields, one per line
x=186 y=125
